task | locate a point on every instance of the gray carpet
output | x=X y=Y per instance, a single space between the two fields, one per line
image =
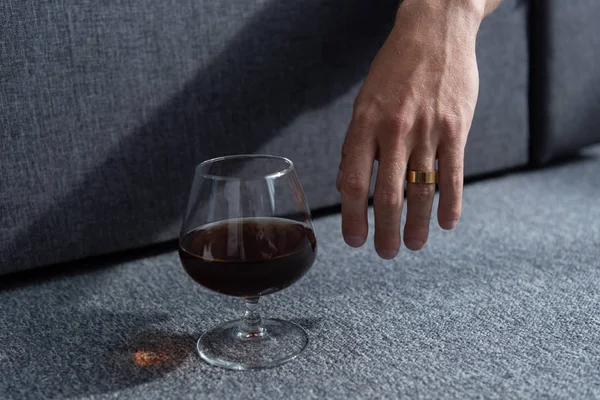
x=506 y=306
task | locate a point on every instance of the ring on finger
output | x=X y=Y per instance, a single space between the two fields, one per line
x=422 y=177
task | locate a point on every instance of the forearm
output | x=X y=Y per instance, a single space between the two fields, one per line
x=443 y=20
x=475 y=10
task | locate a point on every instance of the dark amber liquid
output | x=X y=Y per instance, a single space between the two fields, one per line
x=250 y=256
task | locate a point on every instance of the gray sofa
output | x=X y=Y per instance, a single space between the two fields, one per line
x=105 y=109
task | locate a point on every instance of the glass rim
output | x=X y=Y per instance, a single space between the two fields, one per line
x=273 y=175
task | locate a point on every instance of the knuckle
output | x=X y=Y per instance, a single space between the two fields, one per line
x=374 y=109
x=355 y=185
x=452 y=126
x=456 y=179
x=422 y=194
x=364 y=113
x=358 y=102
x=399 y=122
x=388 y=199
x=453 y=177
x=454 y=154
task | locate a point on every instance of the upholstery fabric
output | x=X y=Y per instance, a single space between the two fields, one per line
x=106 y=107
x=565 y=77
x=505 y=306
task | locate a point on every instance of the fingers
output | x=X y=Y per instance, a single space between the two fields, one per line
x=395 y=154
x=419 y=199
x=451 y=176
x=354 y=180
x=387 y=201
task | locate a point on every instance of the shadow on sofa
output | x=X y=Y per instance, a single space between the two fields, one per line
x=286 y=60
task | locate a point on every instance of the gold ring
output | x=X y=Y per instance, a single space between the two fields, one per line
x=413 y=176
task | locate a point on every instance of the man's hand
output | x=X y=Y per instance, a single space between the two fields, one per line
x=416 y=106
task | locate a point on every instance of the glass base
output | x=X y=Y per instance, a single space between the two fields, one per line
x=276 y=342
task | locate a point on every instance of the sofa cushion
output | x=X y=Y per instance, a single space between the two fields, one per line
x=106 y=107
x=506 y=306
x=565 y=77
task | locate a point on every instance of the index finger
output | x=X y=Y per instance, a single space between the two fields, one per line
x=358 y=155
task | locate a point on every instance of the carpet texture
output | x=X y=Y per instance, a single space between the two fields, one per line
x=506 y=306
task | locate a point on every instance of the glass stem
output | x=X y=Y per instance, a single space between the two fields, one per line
x=251 y=324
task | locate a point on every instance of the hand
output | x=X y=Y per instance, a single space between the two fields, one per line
x=416 y=106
